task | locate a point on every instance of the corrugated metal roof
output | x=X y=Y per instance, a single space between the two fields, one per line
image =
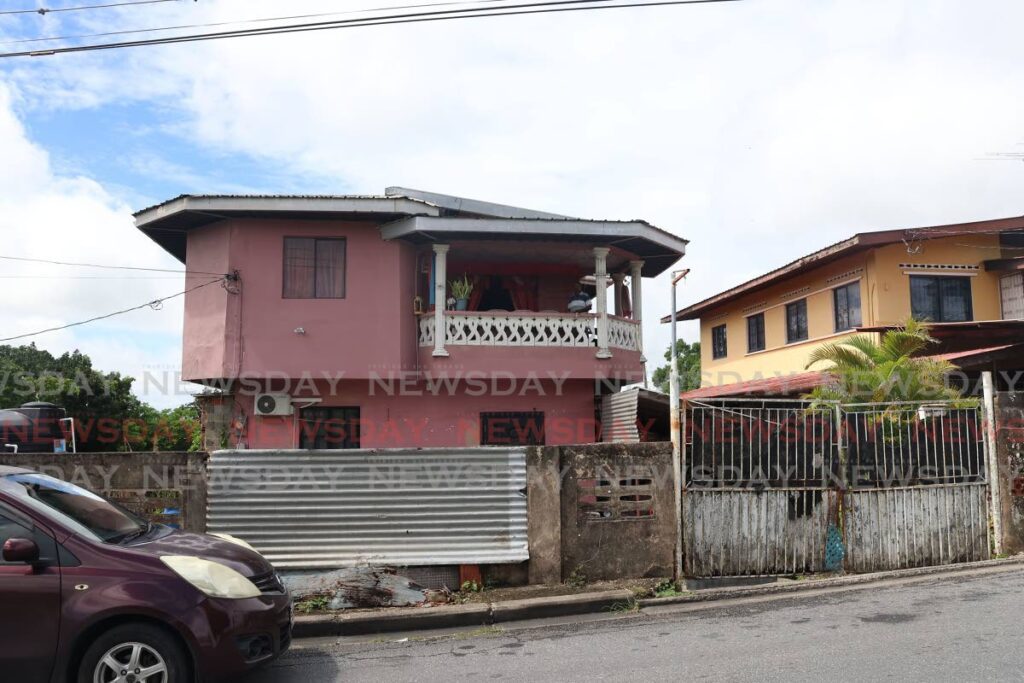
x=788 y=385
x=280 y=196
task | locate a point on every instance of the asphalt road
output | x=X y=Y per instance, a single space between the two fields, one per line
x=959 y=628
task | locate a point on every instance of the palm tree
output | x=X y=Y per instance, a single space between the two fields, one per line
x=866 y=371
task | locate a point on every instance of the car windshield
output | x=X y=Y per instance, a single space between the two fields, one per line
x=83 y=509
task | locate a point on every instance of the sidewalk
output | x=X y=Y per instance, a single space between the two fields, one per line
x=394 y=619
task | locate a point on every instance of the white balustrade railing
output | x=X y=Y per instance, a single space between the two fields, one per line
x=529 y=329
x=623 y=334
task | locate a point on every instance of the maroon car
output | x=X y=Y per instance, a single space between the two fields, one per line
x=90 y=592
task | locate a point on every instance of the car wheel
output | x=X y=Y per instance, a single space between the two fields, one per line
x=134 y=653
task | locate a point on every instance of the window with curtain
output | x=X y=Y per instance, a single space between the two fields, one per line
x=719 y=343
x=755 y=333
x=846 y=306
x=314 y=268
x=941 y=298
x=796 y=321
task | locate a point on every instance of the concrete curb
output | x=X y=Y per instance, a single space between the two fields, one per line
x=453 y=616
x=712 y=594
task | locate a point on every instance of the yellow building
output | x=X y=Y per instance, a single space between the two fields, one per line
x=767 y=327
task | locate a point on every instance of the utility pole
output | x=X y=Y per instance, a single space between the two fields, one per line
x=992 y=460
x=677 y=437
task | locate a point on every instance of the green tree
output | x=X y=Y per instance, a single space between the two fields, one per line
x=107 y=415
x=888 y=370
x=687 y=364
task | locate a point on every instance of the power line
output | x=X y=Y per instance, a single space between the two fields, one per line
x=155 y=304
x=97 y=277
x=45 y=10
x=97 y=265
x=409 y=18
x=179 y=27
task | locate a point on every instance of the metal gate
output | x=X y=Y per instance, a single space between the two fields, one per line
x=769 y=484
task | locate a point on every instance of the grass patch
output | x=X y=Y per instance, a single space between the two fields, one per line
x=314 y=603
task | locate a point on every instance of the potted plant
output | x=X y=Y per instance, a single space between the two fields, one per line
x=461 y=289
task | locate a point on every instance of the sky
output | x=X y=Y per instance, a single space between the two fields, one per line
x=759 y=130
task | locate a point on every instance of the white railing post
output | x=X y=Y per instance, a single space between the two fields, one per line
x=635 y=274
x=440 y=297
x=601 y=281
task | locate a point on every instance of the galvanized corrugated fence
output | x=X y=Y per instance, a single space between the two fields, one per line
x=916 y=526
x=738 y=533
x=317 y=509
x=770 y=485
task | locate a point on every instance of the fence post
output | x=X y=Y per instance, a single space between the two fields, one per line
x=991 y=460
x=844 y=478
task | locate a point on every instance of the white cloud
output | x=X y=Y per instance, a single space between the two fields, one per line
x=46 y=216
x=760 y=131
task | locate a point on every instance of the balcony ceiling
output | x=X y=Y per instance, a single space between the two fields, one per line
x=557 y=238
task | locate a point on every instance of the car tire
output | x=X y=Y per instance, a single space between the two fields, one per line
x=152 y=648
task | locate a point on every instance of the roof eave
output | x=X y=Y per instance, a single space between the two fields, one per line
x=667 y=248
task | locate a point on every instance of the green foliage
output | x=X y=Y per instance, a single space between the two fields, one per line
x=687 y=364
x=577 y=579
x=470 y=587
x=314 y=603
x=107 y=415
x=667 y=589
x=866 y=371
x=461 y=289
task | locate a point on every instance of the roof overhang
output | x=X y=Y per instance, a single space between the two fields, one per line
x=1005 y=265
x=657 y=248
x=966 y=336
x=168 y=223
x=848 y=247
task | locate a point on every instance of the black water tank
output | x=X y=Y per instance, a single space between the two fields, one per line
x=35 y=427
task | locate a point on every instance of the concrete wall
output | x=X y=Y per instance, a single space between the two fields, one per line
x=379 y=283
x=1010 y=456
x=169 y=488
x=583 y=521
x=397 y=414
x=885 y=299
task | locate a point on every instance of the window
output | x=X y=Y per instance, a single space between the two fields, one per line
x=16 y=527
x=314 y=268
x=846 y=306
x=941 y=299
x=512 y=429
x=719 y=344
x=796 y=321
x=321 y=427
x=89 y=514
x=755 y=333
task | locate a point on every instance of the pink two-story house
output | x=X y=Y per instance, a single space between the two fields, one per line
x=333 y=321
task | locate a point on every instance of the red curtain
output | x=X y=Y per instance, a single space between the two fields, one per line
x=479 y=285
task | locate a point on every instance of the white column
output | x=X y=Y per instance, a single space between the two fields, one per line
x=440 y=297
x=617 y=288
x=635 y=275
x=601 y=280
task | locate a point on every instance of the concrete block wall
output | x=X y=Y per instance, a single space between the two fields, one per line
x=1010 y=479
x=600 y=512
x=165 y=487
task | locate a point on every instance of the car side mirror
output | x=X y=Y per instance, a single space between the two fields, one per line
x=21 y=550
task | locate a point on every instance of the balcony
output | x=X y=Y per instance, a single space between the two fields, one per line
x=528 y=328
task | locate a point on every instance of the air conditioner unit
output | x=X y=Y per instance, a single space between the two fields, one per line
x=274 y=404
